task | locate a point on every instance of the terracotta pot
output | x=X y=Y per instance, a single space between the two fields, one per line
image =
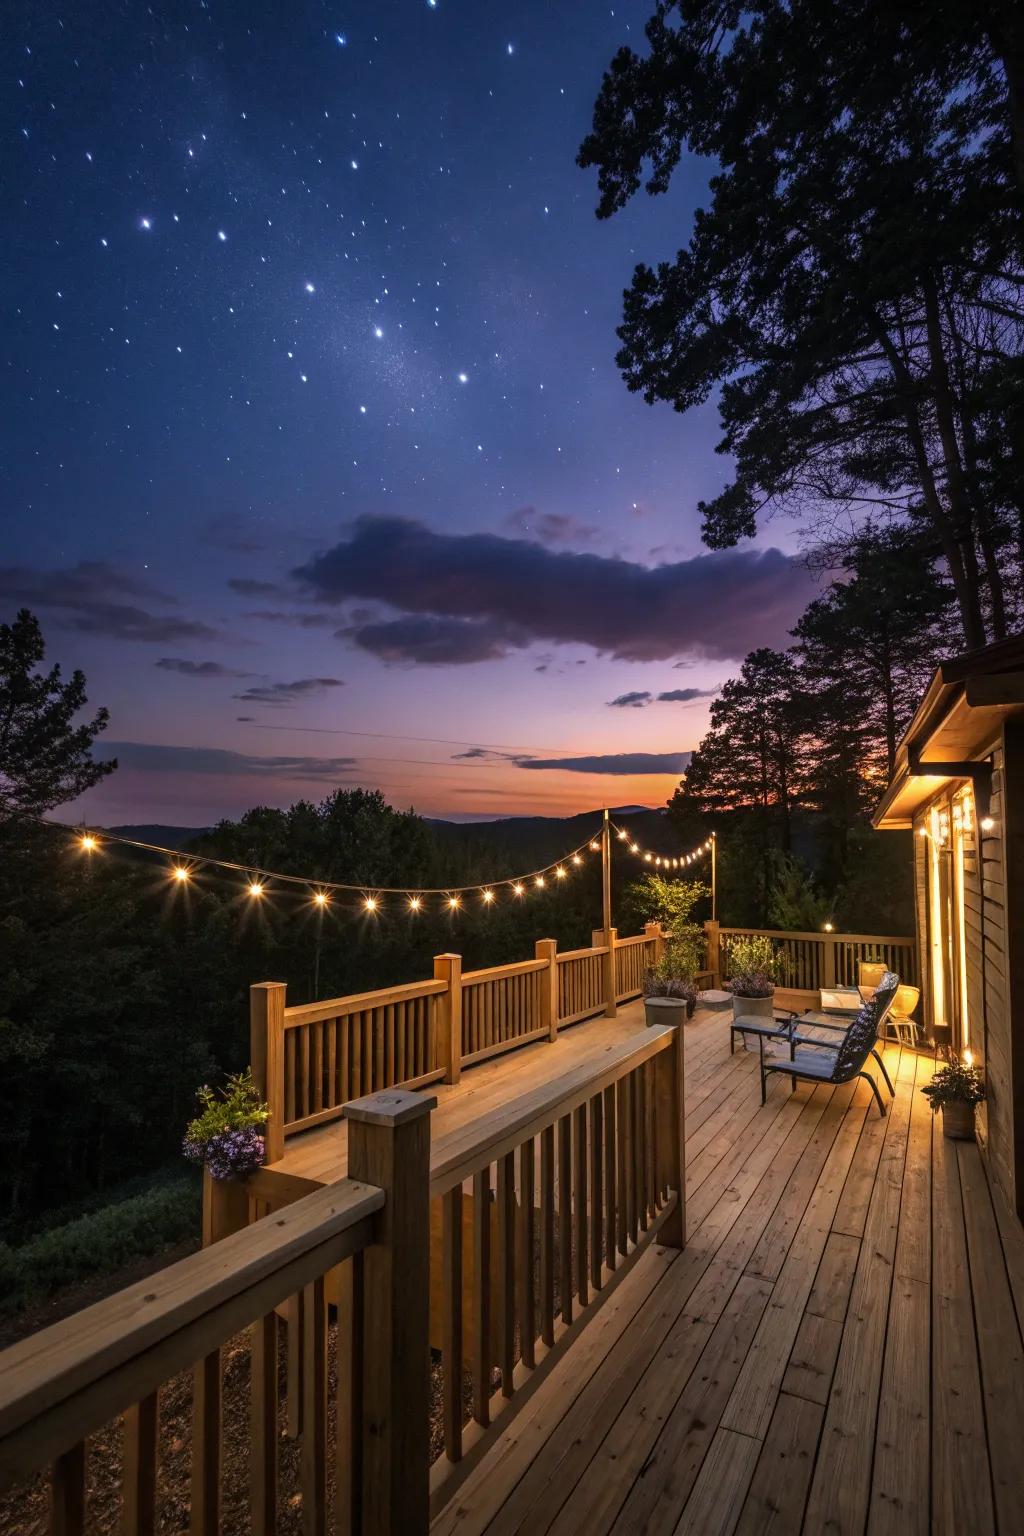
x=753 y=1008
x=958 y=1121
x=665 y=1010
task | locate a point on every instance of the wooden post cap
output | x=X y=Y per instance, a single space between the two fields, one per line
x=391 y=1106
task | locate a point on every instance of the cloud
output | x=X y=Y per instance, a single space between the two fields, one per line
x=249 y=588
x=197 y=668
x=147 y=757
x=614 y=763
x=436 y=642
x=288 y=693
x=89 y=596
x=635 y=700
x=719 y=604
x=551 y=527
x=617 y=763
x=300 y=620
x=686 y=695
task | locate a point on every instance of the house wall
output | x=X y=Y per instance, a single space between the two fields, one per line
x=993 y=952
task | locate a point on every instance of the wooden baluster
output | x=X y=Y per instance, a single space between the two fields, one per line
x=263 y=1427
x=67 y=1493
x=379 y=1026
x=506 y=1270
x=525 y=1295
x=141 y=1431
x=331 y=1097
x=389 y=1146
x=345 y=1061
x=635 y=1156
x=290 y=1069
x=623 y=1163
x=482 y=1347
x=547 y=1235
x=389 y=1046
x=596 y=1200
x=349 y=1398
x=314 y=1409
x=317 y=1068
x=609 y=1176
x=451 y=1303
x=651 y=1140
x=580 y=1223
x=356 y=1089
x=206 y=1446
x=304 y=1105
x=565 y=1216
x=293 y=1366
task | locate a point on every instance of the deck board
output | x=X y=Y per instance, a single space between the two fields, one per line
x=838 y=1347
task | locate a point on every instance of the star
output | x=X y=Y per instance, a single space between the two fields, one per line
x=341 y=39
x=463 y=378
x=146 y=223
x=221 y=235
x=310 y=288
x=378 y=332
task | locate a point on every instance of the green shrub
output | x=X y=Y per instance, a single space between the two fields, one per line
x=99 y=1243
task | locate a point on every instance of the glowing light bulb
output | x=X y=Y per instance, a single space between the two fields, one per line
x=987 y=823
x=647 y=858
x=968 y=1058
x=453 y=902
x=320 y=898
x=255 y=888
x=518 y=889
x=181 y=874
x=87 y=843
x=539 y=881
x=370 y=903
x=622 y=837
x=634 y=847
x=559 y=873
x=577 y=859
x=595 y=846
x=658 y=860
x=415 y=904
x=923 y=831
x=828 y=927
x=487 y=897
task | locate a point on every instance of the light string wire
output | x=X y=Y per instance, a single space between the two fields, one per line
x=184 y=863
x=662 y=860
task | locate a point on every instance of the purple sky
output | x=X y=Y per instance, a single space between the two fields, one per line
x=318 y=460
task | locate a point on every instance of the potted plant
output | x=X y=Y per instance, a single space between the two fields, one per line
x=754 y=967
x=670 y=984
x=227 y=1134
x=955 y=1089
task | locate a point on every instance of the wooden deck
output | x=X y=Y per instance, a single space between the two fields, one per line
x=838 y=1348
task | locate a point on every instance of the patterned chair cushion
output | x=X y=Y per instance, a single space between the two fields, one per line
x=855 y=1045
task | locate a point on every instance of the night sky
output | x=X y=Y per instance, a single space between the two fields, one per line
x=315 y=455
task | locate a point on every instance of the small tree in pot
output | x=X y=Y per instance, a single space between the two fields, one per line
x=755 y=965
x=669 y=986
x=955 y=1089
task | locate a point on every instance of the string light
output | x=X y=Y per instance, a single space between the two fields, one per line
x=664 y=860
x=370 y=903
x=319 y=892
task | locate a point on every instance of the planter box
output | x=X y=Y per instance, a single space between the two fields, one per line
x=958 y=1121
x=754 y=1008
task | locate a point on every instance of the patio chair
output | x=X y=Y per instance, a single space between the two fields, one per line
x=842 y=1062
x=820 y=1020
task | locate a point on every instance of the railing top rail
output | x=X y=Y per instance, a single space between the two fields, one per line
x=69 y=1379
x=496 y=972
x=488 y=1138
x=824 y=938
x=581 y=954
x=633 y=938
x=336 y=1007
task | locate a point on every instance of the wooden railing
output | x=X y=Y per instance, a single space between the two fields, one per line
x=561 y=1189
x=543 y=1209
x=816 y=960
x=310 y=1060
x=112 y=1361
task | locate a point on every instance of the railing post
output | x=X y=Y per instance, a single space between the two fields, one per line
x=389 y=1146
x=607 y=938
x=654 y=931
x=671 y=1135
x=266 y=1054
x=547 y=949
x=448 y=968
x=713 y=957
